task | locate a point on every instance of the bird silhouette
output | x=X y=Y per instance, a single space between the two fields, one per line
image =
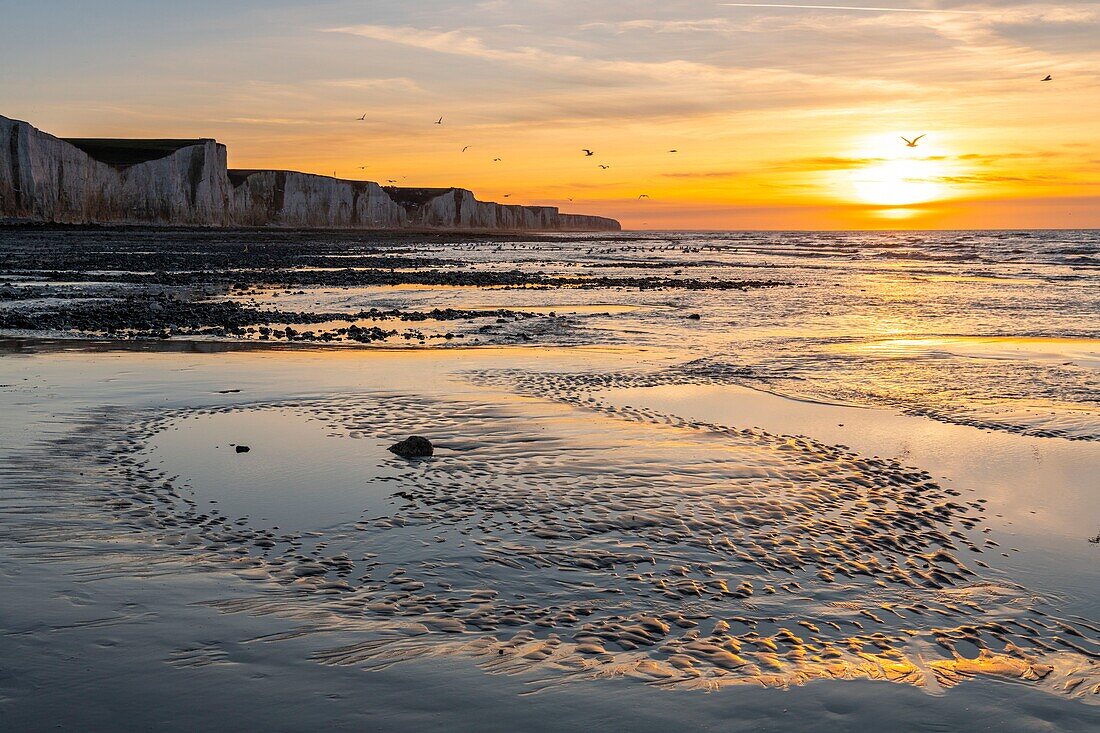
x=1048 y=78
x=496 y=160
x=363 y=118
x=644 y=196
x=911 y=143
x=674 y=150
x=439 y=121
x=507 y=195
x=363 y=167
x=465 y=148
x=604 y=167
x=588 y=153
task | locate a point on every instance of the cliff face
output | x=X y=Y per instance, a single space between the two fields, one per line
x=586 y=223
x=46 y=179
x=289 y=199
x=430 y=208
x=187 y=182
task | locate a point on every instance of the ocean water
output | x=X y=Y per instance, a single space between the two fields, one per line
x=996 y=329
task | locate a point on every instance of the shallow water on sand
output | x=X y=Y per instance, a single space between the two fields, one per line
x=296 y=472
x=566 y=535
x=1033 y=488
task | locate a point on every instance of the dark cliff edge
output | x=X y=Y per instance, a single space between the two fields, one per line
x=49 y=180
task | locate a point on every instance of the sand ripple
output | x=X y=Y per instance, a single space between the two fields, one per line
x=567 y=539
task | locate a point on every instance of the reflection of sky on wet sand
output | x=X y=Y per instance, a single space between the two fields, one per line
x=517 y=504
x=296 y=473
x=1041 y=492
x=1077 y=351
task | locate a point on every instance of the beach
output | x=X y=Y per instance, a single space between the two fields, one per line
x=737 y=481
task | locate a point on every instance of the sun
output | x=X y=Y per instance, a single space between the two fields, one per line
x=888 y=173
x=899 y=182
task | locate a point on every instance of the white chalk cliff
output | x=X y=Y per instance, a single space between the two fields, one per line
x=188 y=183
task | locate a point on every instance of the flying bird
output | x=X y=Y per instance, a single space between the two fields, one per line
x=465 y=148
x=363 y=167
x=588 y=153
x=1048 y=78
x=496 y=160
x=363 y=118
x=674 y=150
x=644 y=196
x=604 y=167
x=507 y=195
x=439 y=121
x=911 y=143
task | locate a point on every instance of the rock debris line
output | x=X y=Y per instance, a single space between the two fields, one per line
x=145 y=284
x=627 y=544
x=162 y=316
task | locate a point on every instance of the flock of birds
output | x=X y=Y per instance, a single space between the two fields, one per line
x=588 y=153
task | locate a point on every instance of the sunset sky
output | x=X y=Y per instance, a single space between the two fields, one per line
x=784 y=117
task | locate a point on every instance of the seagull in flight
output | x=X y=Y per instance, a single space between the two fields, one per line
x=363 y=118
x=911 y=143
x=439 y=121
x=674 y=150
x=465 y=148
x=644 y=196
x=588 y=153
x=1049 y=78
x=496 y=160
x=604 y=167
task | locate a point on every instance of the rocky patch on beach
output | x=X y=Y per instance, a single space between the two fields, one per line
x=164 y=316
x=144 y=284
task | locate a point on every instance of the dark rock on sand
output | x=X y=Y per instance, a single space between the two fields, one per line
x=413 y=447
x=694 y=317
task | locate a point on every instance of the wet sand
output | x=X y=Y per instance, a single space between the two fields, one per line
x=560 y=544
x=637 y=521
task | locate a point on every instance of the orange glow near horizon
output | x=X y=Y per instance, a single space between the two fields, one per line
x=868 y=181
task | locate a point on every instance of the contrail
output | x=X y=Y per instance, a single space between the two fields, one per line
x=851 y=7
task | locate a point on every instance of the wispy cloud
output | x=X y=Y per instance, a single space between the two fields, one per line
x=856 y=8
x=400 y=84
x=826 y=163
x=704 y=174
x=646 y=87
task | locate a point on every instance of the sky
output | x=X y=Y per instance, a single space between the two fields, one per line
x=781 y=117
